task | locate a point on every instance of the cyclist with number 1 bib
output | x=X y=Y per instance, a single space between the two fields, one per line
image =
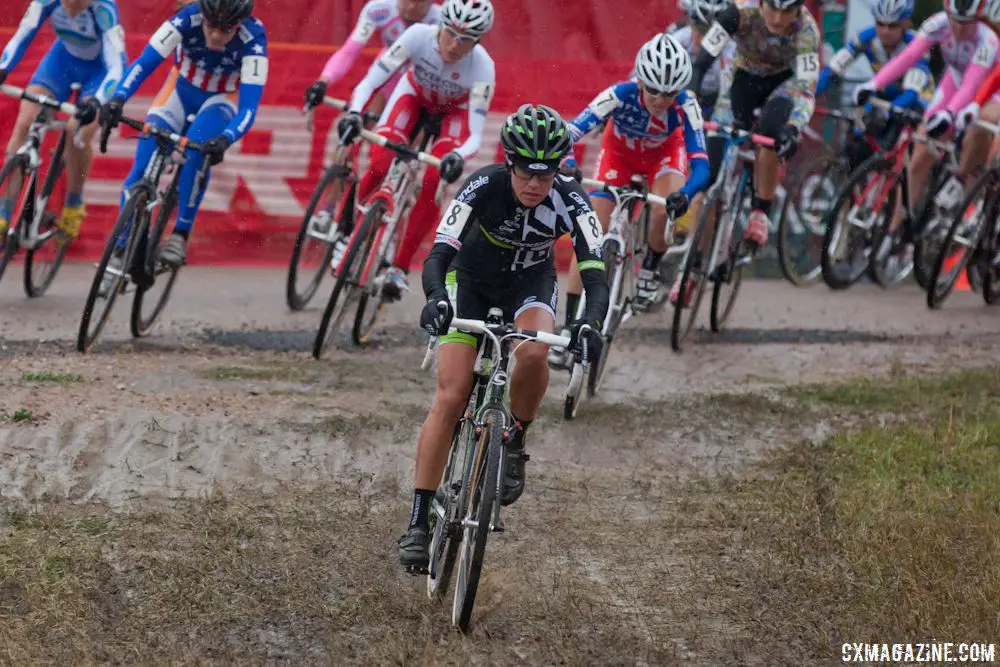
x=90 y=50
x=774 y=70
x=221 y=66
x=494 y=248
x=449 y=75
x=655 y=132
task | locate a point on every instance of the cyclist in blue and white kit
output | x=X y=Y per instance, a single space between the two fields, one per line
x=879 y=44
x=655 y=131
x=90 y=50
x=220 y=68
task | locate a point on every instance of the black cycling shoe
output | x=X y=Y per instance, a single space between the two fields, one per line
x=513 y=478
x=414 y=551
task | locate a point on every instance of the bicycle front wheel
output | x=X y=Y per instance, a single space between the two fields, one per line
x=314 y=243
x=800 y=230
x=349 y=278
x=482 y=480
x=15 y=191
x=692 y=278
x=42 y=262
x=447 y=510
x=619 y=302
x=142 y=318
x=101 y=298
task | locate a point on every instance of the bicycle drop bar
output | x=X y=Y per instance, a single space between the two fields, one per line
x=601 y=185
x=343 y=104
x=162 y=135
x=990 y=127
x=479 y=326
x=911 y=116
x=404 y=151
x=759 y=139
x=48 y=102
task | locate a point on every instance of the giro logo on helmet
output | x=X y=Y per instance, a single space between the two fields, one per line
x=538 y=166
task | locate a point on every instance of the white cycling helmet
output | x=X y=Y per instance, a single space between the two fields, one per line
x=892 y=11
x=471 y=18
x=785 y=5
x=964 y=10
x=705 y=11
x=663 y=65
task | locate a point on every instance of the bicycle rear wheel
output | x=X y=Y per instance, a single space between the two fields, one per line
x=370 y=300
x=314 y=244
x=349 y=276
x=963 y=238
x=860 y=207
x=15 y=190
x=142 y=322
x=90 y=327
x=41 y=263
x=693 y=270
x=482 y=479
x=800 y=230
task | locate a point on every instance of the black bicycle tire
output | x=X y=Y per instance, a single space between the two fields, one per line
x=876 y=162
x=920 y=253
x=360 y=238
x=463 y=431
x=595 y=374
x=139 y=325
x=936 y=298
x=715 y=321
x=32 y=289
x=793 y=196
x=85 y=340
x=295 y=300
x=10 y=241
x=487 y=484
x=677 y=334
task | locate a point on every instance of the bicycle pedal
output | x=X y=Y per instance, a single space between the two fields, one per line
x=498 y=527
x=417 y=570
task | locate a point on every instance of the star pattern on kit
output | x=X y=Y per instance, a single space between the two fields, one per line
x=258 y=49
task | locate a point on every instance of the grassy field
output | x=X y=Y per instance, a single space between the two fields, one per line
x=887 y=531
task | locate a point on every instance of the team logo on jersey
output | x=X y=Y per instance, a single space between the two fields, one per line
x=472 y=187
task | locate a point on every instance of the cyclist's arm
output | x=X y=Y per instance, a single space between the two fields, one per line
x=479 y=105
x=908 y=57
x=112 y=49
x=451 y=232
x=585 y=232
x=726 y=25
x=915 y=81
x=26 y=31
x=843 y=59
x=599 y=109
x=387 y=64
x=803 y=88
x=340 y=63
x=694 y=143
x=253 y=76
x=988 y=88
x=161 y=45
x=984 y=58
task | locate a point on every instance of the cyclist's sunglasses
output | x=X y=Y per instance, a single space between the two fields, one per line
x=887 y=24
x=962 y=19
x=222 y=28
x=460 y=38
x=658 y=94
x=527 y=174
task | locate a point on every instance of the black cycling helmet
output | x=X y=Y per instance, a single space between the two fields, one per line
x=225 y=14
x=536 y=138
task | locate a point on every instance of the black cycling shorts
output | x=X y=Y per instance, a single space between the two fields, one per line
x=472 y=300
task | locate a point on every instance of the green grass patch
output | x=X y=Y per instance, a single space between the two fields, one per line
x=20 y=416
x=56 y=378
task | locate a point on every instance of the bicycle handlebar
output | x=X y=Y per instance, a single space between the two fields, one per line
x=601 y=185
x=161 y=135
x=836 y=114
x=404 y=151
x=910 y=115
x=758 y=139
x=991 y=127
x=342 y=105
x=42 y=100
x=480 y=326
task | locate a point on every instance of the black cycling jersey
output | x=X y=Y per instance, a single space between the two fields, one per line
x=490 y=238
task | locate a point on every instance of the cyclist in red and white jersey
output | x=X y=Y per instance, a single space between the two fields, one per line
x=979 y=144
x=385 y=18
x=969 y=50
x=450 y=75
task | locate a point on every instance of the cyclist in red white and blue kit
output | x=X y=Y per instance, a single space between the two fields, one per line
x=655 y=131
x=220 y=68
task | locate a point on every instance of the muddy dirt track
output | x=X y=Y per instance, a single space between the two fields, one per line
x=224 y=390
x=224 y=397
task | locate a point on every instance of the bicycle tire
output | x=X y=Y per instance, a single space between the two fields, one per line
x=364 y=322
x=348 y=279
x=938 y=290
x=574 y=391
x=788 y=256
x=832 y=276
x=616 y=280
x=10 y=243
x=679 y=329
x=483 y=494
x=139 y=195
x=446 y=535
x=729 y=273
x=924 y=251
x=299 y=299
x=140 y=324
x=36 y=283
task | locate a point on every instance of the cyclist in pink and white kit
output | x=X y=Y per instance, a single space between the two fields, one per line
x=969 y=50
x=386 y=18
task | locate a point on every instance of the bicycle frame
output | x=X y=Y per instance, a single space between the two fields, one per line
x=725 y=188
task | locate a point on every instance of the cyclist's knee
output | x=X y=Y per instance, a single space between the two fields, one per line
x=603 y=208
x=773 y=116
x=532 y=357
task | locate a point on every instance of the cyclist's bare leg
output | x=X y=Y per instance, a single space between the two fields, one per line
x=574 y=286
x=979 y=144
x=530 y=378
x=455 y=362
x=766 y=174
x=921 y=163
x=25 y=115
x=665 y=185
x=78 y=160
